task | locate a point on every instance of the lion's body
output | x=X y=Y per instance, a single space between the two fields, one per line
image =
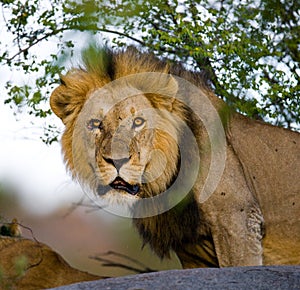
x=253 y=215
x=270 y=158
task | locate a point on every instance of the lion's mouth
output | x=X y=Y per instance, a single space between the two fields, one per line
x=121 y=184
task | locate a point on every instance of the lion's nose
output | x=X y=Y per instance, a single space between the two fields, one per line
x=117 y=163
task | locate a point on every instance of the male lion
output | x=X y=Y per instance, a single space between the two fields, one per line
x=141 y=131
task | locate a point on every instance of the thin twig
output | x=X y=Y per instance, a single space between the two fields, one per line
x=74 y=206
x=110 y=263
x=23 y=50
x=127 y=258
x=92 y=207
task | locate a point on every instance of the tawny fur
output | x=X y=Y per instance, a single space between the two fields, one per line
x=252 y=218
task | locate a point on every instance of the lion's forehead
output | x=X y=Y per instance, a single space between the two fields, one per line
x=132 y=106
x=122 y=100
x=126 y=110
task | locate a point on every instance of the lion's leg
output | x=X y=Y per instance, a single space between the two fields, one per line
x=235 y=219
x=238 y=238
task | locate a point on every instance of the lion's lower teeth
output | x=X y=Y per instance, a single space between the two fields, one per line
x=122 y=185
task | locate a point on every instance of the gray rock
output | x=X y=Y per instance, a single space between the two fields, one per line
x=274 y=277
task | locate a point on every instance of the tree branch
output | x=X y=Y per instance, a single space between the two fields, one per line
x=26 y=49
x=122 y=34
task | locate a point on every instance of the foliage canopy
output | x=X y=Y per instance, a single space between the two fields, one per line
x=250 y=50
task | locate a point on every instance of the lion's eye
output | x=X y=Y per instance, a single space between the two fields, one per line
x=94 y=124
x=138 y=122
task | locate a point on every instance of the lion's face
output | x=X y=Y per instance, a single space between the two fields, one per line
x=128 y=138
x=132 y=147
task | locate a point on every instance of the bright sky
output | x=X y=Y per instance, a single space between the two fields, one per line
x=35 y=169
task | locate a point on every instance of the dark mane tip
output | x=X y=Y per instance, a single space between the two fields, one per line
x=98 y=60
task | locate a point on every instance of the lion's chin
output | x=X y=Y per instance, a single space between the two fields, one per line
x=118 y=202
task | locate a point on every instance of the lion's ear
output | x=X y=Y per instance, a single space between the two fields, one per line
x=165 y=92
x=166 y=85
x=155 y=83
x=161 y=87
x=68 y=99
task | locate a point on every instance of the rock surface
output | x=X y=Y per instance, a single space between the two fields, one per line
x=29 y=264
x=275 y=277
